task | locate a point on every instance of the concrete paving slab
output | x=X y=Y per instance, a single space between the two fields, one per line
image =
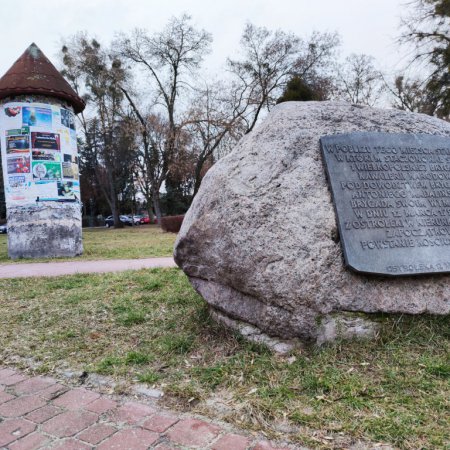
x=55 y=269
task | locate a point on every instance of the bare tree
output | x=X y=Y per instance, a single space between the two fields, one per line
x=168 y=60
x=269 y=60
x=427 y=28
x=92 y=71
x=152 y=165
x=411 y=95
x=358 y=81
x=213 y=120
x=316 y=64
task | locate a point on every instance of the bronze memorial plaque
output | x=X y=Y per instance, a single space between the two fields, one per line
x=391 y=193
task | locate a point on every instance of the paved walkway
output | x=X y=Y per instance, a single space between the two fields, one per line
x=41 y=413
x=54 y=269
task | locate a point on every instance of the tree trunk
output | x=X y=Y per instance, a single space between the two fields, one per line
x=149 y=201
x=114 y=203
x=198 y=177
x=116 y=214
x=91 y=212
x=157 y=206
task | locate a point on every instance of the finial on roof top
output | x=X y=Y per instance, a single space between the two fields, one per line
x=34 y=51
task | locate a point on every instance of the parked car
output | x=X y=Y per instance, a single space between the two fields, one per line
x=143 y=219
x=109 y=221
x=3 y=229
x=139 y=217
x=135 y=219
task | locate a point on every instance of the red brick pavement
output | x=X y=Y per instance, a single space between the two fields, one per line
x=41 y=413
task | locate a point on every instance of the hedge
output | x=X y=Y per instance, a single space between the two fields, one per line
x=172 y=224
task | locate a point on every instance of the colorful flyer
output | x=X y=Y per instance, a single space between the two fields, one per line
x=45 y=190
x=46 y=170
x=56 y=115
x=68 y=190
x=12 y=111
x=17 y=144
x=64 y=137
x=18 y=164
x=45 y=155
x=70 y=170
x=18 y=181
x=47 y=141
x=17 y=195
x=33 y=116
x=68 y=119
x=73 y=138
x=17 y=131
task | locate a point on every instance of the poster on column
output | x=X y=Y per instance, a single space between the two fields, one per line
x=39 y=153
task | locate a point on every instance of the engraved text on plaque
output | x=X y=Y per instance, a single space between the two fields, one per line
x=392 y=198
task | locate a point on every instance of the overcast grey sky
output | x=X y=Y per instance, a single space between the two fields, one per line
x=366 y=26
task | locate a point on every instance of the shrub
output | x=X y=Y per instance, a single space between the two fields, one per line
x=172 y=224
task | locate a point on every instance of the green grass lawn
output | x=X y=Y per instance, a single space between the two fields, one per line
x=104 y=243
x=150 y=326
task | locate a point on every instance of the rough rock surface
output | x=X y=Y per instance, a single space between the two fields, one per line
x=45 y=230
x=259 y=242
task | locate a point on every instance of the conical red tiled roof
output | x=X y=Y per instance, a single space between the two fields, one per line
x=33 y=73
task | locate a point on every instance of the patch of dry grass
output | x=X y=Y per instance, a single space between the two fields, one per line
x=150 y=326
x=104 y=243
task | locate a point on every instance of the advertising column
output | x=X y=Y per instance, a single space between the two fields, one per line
x=41 y=179
x=39 y=156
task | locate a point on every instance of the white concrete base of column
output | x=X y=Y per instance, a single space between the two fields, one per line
x=44 y=230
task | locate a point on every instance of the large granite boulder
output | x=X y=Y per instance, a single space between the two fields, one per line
x=260 y=241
